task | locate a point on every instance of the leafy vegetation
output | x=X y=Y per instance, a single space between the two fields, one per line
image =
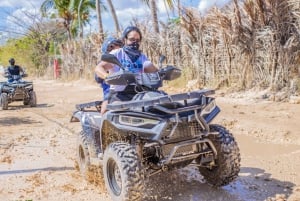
x=17 y=49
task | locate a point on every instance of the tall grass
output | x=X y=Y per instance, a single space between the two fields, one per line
x=254 y=43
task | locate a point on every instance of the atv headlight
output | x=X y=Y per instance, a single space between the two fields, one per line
x=209 y=108
x=136 y=121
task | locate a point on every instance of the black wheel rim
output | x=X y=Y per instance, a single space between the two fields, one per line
x=114 y=177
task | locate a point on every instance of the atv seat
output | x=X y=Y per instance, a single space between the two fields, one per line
x=166 y=100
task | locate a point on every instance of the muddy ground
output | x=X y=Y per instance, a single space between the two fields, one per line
x=37 y=150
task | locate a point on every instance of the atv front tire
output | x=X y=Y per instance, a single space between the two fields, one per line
x=4 y=101
x=33 y=100
x=227 y=162
x=83 y=156
x=124 y=178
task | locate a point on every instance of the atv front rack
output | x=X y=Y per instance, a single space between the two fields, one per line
x=16 y=84
x=19 y=84
x=85 y=106
x=160 y=100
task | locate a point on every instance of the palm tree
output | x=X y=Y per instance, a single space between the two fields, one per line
x=179 y=8
x=63 y=11
x=99 y=19
x=113 y=12
x=99 y=7
x=153 y=7
x=75 y=13
x=81 y=10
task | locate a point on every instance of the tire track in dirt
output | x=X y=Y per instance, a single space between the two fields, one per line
x=38 y=162
x=70 y=130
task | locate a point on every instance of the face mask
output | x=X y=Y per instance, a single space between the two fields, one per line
x=134 y=46
x=132 y=51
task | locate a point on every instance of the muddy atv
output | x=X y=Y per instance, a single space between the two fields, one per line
x=17 y=90
x=153 y=133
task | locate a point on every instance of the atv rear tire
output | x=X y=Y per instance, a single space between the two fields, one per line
x=227 y=163
x=124 y=178
x=4 y=101
x=26 y=101
x=83 y=156
x=33 y=100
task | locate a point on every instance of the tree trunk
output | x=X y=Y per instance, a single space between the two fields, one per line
x=99 y=19
x=179 y=9
x=68 y=28
x=114 y=15
x=80 y=31
x=166 y=7
x=154 y=15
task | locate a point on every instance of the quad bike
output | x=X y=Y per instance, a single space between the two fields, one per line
x=153 y=133
x=16 y=89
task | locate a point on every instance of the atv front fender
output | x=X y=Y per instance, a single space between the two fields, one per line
x=76 y=117
x=88 y=120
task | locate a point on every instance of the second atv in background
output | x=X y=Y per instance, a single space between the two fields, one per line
x=16 y=89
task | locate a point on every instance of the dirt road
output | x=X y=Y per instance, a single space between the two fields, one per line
x=37 y=157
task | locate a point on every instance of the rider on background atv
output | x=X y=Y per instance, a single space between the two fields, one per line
x=13 y=72
x=132 y=59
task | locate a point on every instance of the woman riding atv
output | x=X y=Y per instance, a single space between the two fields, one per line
x=132 y=59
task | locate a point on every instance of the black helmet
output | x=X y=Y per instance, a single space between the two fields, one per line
x=130 y=29
x=11 y=61
x=107 y=45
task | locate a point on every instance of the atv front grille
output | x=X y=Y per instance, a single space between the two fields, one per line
x=181 y=151
x=184 y=130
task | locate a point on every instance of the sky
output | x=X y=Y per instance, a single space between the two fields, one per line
x=126 y=10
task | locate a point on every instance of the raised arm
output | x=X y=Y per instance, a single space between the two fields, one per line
x=102 y=69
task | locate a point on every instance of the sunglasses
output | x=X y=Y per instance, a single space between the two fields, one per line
x=134 y=40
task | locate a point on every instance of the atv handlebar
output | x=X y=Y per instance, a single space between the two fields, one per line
x=150 y=80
